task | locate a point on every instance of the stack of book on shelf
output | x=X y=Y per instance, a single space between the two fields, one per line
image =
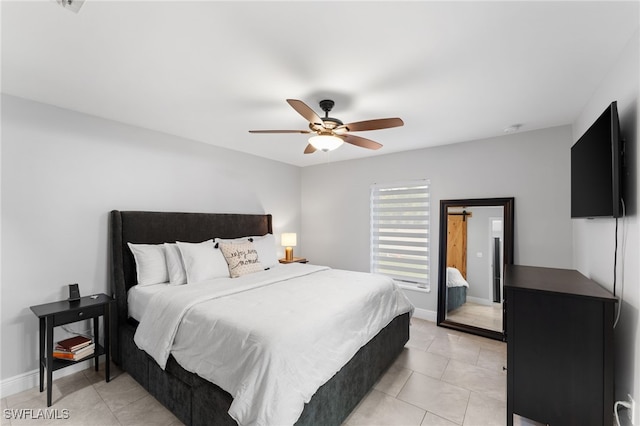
x=74 y=348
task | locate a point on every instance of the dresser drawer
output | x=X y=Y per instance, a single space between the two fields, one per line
x=78 y=314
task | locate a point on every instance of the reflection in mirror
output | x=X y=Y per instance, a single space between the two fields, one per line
x=476 y=240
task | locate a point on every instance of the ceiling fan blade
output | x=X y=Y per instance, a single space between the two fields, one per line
x=361 y=142
x=380 y=123
x=279 y=131
x=305 y=111
x=310 y=149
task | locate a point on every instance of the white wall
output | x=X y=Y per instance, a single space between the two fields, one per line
x=531 y=166
x=594 y=239
x=62 y=172
x=480 y=252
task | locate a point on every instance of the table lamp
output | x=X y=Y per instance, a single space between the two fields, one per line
x=288 y=240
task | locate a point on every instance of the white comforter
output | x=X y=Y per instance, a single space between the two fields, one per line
x=455 y=278
x=272 y=338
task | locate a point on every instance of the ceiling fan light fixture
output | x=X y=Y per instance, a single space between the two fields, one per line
x=325 y=142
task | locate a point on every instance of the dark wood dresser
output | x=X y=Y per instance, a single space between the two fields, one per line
x=559 y=347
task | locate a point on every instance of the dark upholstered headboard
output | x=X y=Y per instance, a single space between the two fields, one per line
x=160 y=227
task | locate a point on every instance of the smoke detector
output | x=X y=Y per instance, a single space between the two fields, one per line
x=513 y=128
x=72 y=5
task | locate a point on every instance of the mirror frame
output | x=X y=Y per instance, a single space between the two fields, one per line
x=508 y=214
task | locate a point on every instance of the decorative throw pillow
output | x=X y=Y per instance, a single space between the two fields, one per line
x=175 y=266
x=151 y=264
x=202 y=261
x=242 y=258
x=264 y=244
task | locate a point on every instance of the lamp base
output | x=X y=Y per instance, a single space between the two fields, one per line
x=288 y=253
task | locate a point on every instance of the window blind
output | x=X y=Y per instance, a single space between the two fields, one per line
x=400 y=231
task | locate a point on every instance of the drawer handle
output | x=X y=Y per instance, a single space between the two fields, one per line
x=80 y=314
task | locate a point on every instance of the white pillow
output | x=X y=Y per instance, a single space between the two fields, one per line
x=175 y=266
x=232 y=240
x=151 y=264
x=202 y=261
x=265 y=246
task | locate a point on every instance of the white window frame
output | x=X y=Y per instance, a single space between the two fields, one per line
x=412 y=260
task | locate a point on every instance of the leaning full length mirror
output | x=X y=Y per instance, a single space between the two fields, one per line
x=476 y=241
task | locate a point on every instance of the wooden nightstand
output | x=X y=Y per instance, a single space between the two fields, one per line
x=295 y=260
x=65 y=312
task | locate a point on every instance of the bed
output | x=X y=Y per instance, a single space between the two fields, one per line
x=192 y=398
x=456 y=289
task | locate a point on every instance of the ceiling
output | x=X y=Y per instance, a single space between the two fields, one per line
x=210 y=70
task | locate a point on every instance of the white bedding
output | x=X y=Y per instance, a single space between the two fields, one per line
x=272 y=338
x=139 y=296
x=455 y=278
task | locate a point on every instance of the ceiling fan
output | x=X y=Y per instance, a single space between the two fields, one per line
x=330 y=132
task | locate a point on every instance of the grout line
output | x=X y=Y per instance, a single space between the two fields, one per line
x=423 y=416
x=444 y=369
x=405 y=384
x=105 y=402
x=466 y=408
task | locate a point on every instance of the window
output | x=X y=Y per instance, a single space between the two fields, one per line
x=400 y=231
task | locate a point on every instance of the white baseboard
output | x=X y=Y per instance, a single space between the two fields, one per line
x=425 y=314
x=31 y=379
x=18 y=383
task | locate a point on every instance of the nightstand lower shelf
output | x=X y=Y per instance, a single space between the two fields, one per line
x=59 y=363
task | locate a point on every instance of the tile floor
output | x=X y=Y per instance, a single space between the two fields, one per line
x=443 y=377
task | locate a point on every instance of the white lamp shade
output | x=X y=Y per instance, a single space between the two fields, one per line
x=325 y=142
x=288 y=239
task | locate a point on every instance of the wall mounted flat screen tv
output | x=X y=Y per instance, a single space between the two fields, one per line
x=596 y=161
